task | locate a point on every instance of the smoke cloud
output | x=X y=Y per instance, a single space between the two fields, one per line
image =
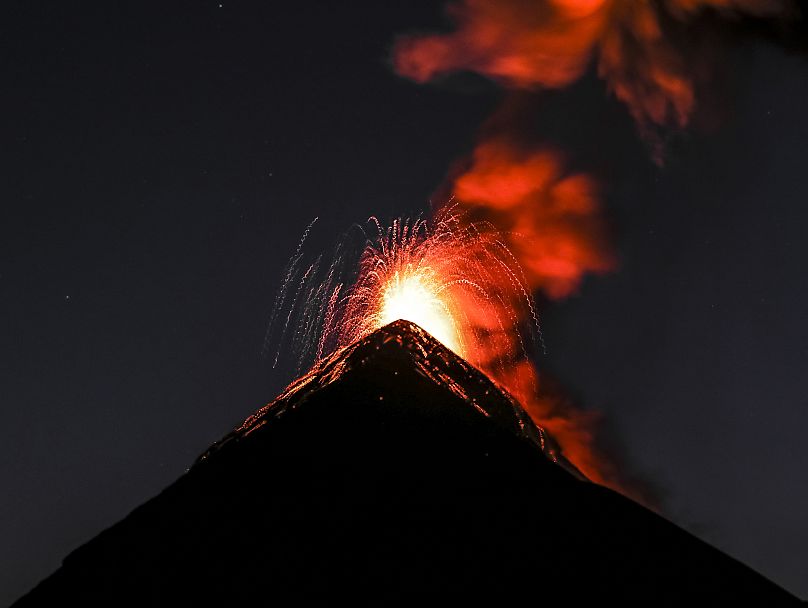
x=551 y=43
x=652 y=56
x=552 y=217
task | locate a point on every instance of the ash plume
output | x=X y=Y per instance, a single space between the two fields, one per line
x=649 y=54
x=656 y=58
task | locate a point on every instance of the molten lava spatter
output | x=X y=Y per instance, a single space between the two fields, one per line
x=453 y=277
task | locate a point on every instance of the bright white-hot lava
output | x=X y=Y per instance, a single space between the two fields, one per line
x=414 y=294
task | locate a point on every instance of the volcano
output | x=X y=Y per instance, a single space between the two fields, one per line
x=393 y=467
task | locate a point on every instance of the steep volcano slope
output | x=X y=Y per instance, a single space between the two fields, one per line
x=392 y=468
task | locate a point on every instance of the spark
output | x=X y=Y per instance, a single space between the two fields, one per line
x=452 y=276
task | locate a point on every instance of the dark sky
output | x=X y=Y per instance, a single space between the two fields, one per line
x=161 y=160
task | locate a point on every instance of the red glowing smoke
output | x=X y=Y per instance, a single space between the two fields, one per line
x=550 y=43
x=551 y=217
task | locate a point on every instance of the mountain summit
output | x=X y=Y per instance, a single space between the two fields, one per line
x=393 y=467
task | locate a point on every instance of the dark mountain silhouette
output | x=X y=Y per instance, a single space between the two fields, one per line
x=393 y=468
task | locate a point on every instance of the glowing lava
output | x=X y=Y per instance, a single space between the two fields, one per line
x=414 y=294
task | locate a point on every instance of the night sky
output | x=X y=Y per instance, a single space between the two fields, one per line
x=161 y=160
